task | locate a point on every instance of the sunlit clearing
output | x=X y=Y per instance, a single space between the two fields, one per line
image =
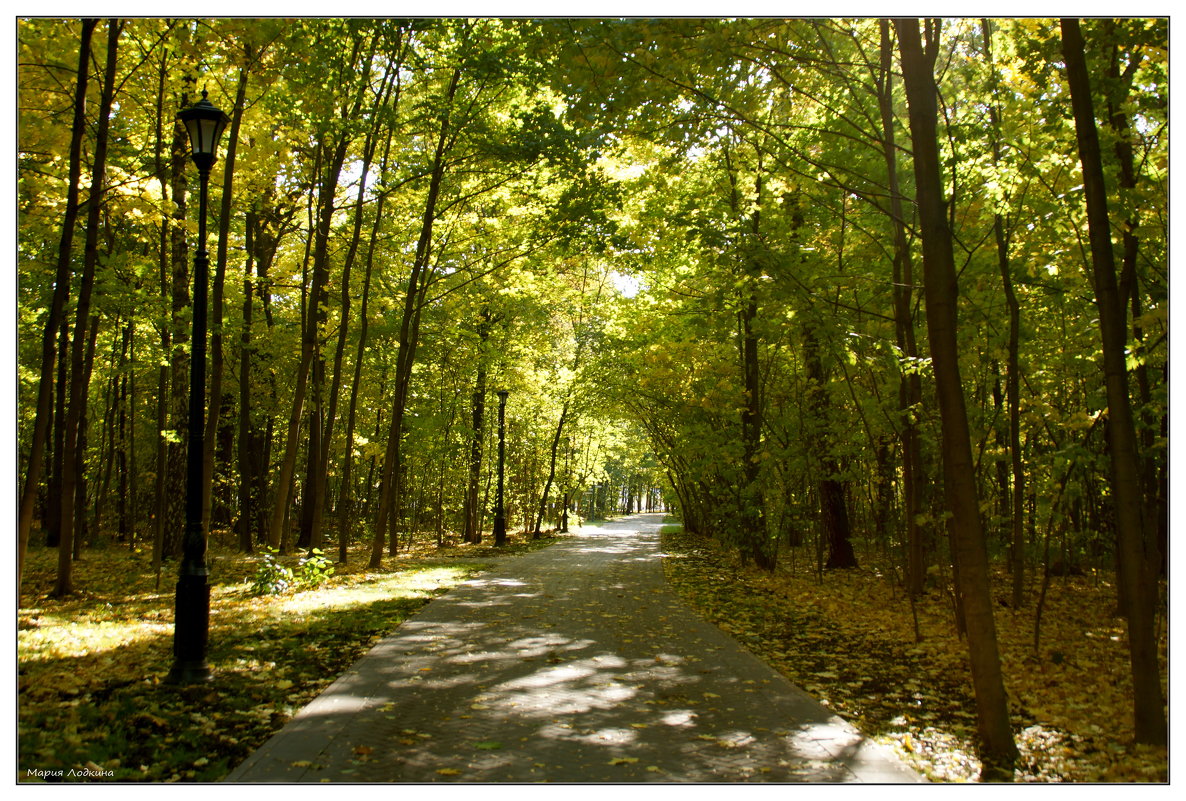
x=406 y=584
x=49 y=641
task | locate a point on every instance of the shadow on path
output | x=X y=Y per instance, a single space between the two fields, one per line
x=569 y=664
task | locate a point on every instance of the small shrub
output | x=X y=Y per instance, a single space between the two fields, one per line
x=271 y=577
x=313 y=569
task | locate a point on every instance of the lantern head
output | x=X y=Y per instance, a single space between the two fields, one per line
x=205 y=125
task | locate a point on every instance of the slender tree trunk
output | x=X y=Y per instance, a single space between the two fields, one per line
x=280 y=501
x=57 y=308
x=166 y=332
x=319 y=425
x=254 y=471
x=472 y=531
x=124 y=441
x=321 y=421
x=76 y=410
x=108 y=447
x=132 y=468
x=346 y=517
x=246 y=439
x=1137 y=550
x=1012 y=369
x=543 y=502
x=755 y=541
x=311 y=313
x=837 y=529
x=82 y=531
x=909 y=383
x=53 y=531
x=409 y=328
x=998 y=750
x=174 y=500
x=1152 y=469
x=343 y=327
x=213 y=415
x=753 y=511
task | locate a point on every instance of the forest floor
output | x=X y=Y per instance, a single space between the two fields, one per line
x=848 y=638
x=92 y=705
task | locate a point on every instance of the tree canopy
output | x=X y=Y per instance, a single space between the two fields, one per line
x=856 y=286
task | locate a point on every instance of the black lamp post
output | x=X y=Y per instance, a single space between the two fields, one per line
x=191 y=626
x=500 y=514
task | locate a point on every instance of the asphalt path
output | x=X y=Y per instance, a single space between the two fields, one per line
x=574 y=663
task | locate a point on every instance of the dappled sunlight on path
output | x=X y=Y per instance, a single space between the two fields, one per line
x=572 y=664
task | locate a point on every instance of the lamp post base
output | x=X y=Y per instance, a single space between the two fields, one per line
x=183 y=673
x=190 y=632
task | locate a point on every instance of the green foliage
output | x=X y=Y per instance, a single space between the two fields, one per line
x=272 y=577
x=313 y=569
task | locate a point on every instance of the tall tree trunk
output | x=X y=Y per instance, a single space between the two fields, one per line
x=1012 y=369
x=311 y=312
x=108 y=447
x=124 y=442
x=343 y=322
x=269 y=222
x=213 y=415
x=1152 y=468
x=543 y=501
x=76 y=410
x=346 y=517
x=755 y=542
x=834 y=520
x=166 y=332
x=247 y=441
x=82 y=532
x=1137 y=550
x=179 y=364
x=753 y=504
x=280 y=500
x=53 y=533
x=132 y=467
x=998 y=750
x=409 y=327
x=472 y=528
x=57 y=308
x=909 y=383
x=321 y=418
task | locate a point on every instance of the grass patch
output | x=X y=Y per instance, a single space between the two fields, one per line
x=91 y=666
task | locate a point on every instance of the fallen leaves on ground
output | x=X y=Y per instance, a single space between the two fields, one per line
x=848 y=639
x=91 y=666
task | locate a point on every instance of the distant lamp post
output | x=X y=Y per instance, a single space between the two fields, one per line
x=500 y=512
x=191 y=626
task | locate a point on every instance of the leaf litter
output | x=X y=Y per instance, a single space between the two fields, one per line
x=849 y=641
x=91 y=667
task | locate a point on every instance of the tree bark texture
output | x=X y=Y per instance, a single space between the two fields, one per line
x=217 y=291
x=998 y=750
x=1137 y=551
x=74 y=453
x=57 y=309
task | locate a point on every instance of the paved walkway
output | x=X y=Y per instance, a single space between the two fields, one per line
x=570 y=664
